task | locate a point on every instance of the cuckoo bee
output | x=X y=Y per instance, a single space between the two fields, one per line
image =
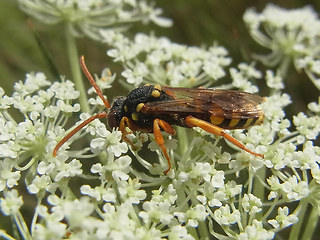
x=154 y=108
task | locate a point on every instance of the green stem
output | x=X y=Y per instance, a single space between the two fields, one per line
x=182 y=140
x=181 y=203
x=22 y=226
x=203 y=230
x=312 y=223
x=258 y=189
x=295 y=231
x=75 y=68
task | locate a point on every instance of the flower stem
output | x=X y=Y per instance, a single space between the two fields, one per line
x=312 y=222
x=75 y=68
x=182 y=140
x=259 y=191
x=295 y=231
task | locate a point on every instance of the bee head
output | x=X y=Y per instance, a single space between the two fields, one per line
x=115 y=113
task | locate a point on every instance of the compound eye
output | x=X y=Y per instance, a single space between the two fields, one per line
x=113 y=121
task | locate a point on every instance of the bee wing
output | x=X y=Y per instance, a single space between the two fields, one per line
x=215 y=102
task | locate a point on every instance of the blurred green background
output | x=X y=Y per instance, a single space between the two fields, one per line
x=194 y=23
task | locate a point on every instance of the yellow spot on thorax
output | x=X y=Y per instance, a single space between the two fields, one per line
x=155 y=93
x=134 y=117
x=139 y=106
x=157 y=86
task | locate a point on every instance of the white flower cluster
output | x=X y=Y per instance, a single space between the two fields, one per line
x=88 y=16
x=211 y=190
x=148 y=59
x=24 y=144
x=291 y=35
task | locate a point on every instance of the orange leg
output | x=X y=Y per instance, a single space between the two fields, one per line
x=196 y=122
x=126 y=122
x=157 y=123
x=77 y=129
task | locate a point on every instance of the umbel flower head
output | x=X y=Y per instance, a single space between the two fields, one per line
x=88 y=16
x=291 y=35
x=27 y=143
x=170 y=63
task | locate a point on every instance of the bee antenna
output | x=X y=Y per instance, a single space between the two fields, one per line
x=93 y=82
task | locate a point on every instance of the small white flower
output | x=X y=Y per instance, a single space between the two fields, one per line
x=130 y=191
x=307 y=126
x=51 y=227
x=119 y=168
x=65 y=170
x=217 y=178
x=273 y=106
x=255 y=231
x=8 y=177
x=104 y=82
x=309 y=157
x=275 y=82
x=147 y=233
x=193 y=215
x=224 y=216
x=11 y=203
x=275 y=185
x=283 y=219
x=251 y=204
x=64 y=107
x=156 y=212
x=230 y=190
x=136 y=75
x=46 y=168
x=64 y=90
x=295 y=190
x=40 y=183
x=314 y=107
x=32 y=83
x=75 y=211
x=5 y=101
x=179 y=232
x=108 y=195
x=201 y=170
x=153 y=15
x=115 y=220
x=241 y=78
x=168 y=194
x=281 y=157
x=110 y=141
